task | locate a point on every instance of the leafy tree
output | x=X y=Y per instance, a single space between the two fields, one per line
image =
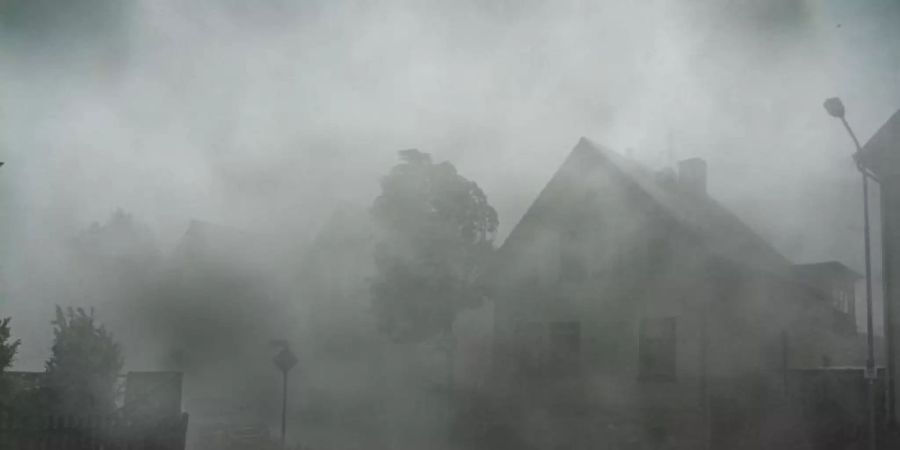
x=436 y=232
x=8 y=348
x=84 y=364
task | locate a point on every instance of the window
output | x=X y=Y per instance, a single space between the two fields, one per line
x=656 y=348
x=549 y=348
x=532 y=350
x=842 y=301
x=565 y=343
x=843 y=305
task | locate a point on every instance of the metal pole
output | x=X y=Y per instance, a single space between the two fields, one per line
x=284 y=407
x=870 y=338
x=704 y=378
x=887 y=288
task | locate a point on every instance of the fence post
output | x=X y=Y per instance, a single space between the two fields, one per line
x=4 y=431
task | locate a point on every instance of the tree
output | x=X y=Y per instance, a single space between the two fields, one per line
x=8 y=349
x=436 y=232
x=84 y=364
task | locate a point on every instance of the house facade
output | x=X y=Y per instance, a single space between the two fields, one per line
x=634 y=311
x=839 y=283
x=881 y=158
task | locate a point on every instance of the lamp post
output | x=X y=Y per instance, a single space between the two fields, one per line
x=835 y=108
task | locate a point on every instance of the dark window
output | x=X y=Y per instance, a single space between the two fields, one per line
x=841 y=300
x=843 y=311
x=565 y=343
x=549 y=348
x=656 y=348
x=532 y=352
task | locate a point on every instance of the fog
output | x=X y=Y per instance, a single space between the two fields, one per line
x=268 y=117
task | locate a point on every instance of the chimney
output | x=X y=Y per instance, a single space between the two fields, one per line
x=692 y=176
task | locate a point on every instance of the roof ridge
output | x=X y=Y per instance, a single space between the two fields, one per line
x=675 y=205
x=723 y=232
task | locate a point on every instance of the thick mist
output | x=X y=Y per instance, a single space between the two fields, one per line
x=278 y=118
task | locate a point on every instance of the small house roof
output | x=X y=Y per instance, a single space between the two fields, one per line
x=829 y=269
x=723 y=233
x=881 y=153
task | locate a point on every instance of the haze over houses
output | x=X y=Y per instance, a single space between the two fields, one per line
x=881 y=157
x=374 y=225
x=628 y=308
x=630 y=303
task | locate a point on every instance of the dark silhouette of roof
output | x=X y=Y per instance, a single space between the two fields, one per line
x=882 y=152
x=205 y=241
x=720 y=231
x=204 y=234
x=827 y=269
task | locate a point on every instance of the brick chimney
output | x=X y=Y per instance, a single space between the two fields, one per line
x=692 y=176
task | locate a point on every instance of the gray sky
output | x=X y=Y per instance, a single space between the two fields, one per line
x=267 y=116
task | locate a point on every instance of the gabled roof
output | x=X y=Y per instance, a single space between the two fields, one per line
x=723 y=233
x=210 y=242
x=202 y=237
x=882 y=152
x=826 y=269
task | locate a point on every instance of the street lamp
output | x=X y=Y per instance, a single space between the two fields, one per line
x=835 y=108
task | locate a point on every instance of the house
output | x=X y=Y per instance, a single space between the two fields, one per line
x=220 y=301
x=245 y=289
x=839 y=283
x=632 y=309
x=881 y=158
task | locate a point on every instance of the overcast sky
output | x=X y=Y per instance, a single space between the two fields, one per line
x=266 y=114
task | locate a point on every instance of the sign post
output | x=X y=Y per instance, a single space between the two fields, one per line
x=284 y=361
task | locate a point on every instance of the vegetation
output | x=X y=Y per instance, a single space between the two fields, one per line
x=8 y=349
x=84 y=364
x=436 y=233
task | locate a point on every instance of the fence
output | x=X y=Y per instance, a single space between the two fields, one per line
x=833 y=404
x=90 y=433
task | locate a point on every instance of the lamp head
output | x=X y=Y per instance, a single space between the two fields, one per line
x=835 y=107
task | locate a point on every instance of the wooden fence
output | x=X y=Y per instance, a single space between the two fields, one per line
x=90 y=433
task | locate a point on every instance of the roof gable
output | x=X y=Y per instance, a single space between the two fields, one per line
x=882 y=152
x=720 y=231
